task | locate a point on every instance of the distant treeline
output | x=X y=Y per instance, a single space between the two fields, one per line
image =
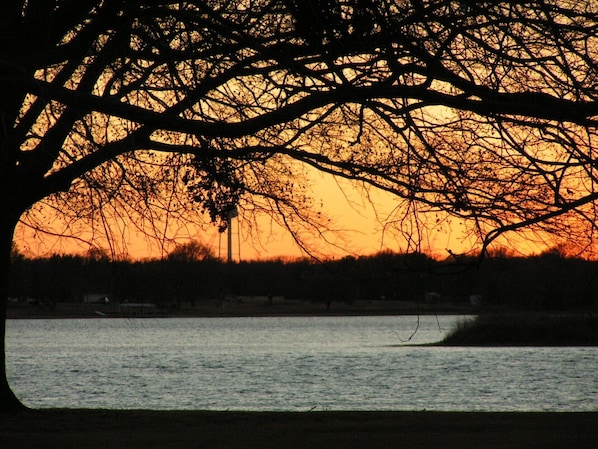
x=545 y=282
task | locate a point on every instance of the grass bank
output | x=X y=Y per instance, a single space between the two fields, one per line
x=95 y=429
x=525 y=329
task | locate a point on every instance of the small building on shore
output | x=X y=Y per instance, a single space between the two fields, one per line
x=96 y=298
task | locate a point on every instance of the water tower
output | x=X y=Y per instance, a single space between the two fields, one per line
x=231 y=213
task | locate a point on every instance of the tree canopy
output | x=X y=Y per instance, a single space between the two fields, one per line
x=484 y=111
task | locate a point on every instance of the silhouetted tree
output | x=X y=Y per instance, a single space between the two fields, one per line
x=185 y=280
x=191 y=251
x=484 y=111
x=96 y=254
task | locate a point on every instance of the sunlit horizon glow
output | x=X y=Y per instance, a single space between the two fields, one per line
x=357 y=224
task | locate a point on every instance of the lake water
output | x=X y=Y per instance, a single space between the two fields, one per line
x=290 y=363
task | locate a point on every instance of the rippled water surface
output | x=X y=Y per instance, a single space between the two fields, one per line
x=298 y=363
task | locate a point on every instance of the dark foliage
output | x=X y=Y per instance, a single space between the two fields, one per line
x=525 y=330
x=545 y=282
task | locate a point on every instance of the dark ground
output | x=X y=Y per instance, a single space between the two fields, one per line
x=91 y=429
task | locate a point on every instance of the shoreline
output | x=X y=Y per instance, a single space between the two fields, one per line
x=476 y=327
x=95 y=429
x=257 y=306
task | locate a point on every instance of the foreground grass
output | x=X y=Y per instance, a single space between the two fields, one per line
x=525 y=329
x=199 y=429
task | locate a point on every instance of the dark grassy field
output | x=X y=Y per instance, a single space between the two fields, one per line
x=91 y=429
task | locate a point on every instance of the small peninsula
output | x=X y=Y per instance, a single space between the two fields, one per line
x=525 y=329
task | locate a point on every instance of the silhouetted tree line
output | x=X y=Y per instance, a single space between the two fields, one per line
x=549 y=281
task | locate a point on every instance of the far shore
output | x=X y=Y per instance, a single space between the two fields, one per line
x=107 y=429
x=244 y=306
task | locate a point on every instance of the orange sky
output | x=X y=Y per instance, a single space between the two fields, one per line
x=358 y=225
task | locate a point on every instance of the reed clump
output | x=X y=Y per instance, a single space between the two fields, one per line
x=525 y=329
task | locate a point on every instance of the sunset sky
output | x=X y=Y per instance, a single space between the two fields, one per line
x=357 y=228
x=433 y=138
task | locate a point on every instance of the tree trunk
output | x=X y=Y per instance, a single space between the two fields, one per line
x=9 y=403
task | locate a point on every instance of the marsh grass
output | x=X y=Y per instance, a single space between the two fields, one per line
x=525 y=329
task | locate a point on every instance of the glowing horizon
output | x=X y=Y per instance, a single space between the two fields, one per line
x=359 y=226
